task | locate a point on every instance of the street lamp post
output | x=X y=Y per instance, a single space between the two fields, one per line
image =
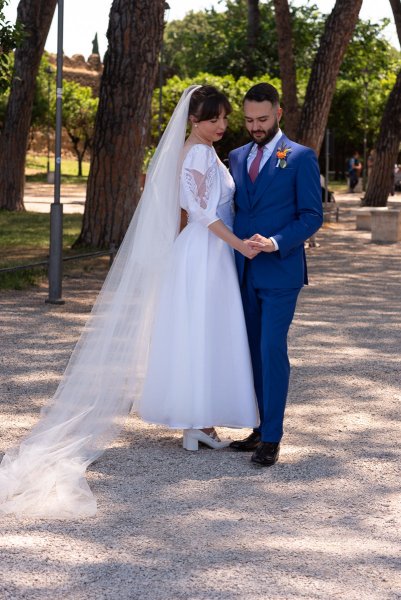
x=56 y=209
x=365 y=131
x=326 y=213
x=49 y=72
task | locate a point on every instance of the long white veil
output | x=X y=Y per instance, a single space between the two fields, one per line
x=45 y=475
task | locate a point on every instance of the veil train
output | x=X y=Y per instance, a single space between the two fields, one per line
x=45 y=475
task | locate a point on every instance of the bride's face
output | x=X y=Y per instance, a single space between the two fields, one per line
x=212 y=130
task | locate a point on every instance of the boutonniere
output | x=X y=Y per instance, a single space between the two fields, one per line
x=282 y=156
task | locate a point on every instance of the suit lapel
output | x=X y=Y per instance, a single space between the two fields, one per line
x=242 y=168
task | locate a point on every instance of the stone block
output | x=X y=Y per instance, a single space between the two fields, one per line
x=363 y=219
x=386 y=225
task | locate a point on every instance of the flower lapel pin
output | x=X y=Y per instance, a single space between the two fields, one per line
x=281 y=154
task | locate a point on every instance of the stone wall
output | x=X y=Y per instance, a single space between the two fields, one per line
x=85 y=72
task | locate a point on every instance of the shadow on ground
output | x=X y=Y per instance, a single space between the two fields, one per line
x=323 y=523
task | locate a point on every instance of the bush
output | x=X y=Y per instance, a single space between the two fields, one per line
x=235 y=90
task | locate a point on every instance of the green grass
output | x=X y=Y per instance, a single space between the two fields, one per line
x=24 y=239
x=31 y=230
x=338 y=186
x=21 y=280
x=36 y=166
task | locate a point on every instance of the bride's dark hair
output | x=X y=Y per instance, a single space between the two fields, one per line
x=207 y=103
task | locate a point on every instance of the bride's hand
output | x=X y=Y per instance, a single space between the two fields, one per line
x=248 y=250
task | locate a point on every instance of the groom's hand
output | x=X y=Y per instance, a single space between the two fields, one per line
x=262 y=244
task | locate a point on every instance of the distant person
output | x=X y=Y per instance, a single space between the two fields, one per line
x=354 y=171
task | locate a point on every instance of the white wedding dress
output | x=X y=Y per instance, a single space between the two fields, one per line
x=199 y=371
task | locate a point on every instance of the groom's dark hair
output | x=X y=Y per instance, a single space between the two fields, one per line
x=261 y=92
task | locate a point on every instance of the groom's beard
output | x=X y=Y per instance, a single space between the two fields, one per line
x=269 y=134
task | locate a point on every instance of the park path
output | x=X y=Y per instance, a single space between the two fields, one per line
x=325 y=522
x=39 y=196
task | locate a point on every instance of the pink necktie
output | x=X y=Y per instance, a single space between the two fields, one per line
x=254 y=168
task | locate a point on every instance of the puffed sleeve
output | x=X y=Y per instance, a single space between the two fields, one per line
x=200 y=185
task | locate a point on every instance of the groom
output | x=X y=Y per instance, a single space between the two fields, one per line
x=278 y=207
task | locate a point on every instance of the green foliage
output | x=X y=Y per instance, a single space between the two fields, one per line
x=95 y=45
x=234 y=89
x=216 y=42
x=369 y=55
x=3 y=100
x=10 y=38
x=45 y=96
x=79 y=113
x=366 y=78
x=307 y=26
x=355 y=107
x=79 y=109
x=206 y=46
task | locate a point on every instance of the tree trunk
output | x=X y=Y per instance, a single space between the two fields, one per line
x=36 y=16
x=130 y=67
x=322 y=82
x=253 y=37
x=78 y=153
x=288 y=73
x=381 y=176
x=387 y=148
x=396 y=7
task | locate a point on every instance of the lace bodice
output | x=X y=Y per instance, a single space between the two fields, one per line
x=206 y=187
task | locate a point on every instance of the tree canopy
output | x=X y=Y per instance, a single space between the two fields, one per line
x=209 y=44
x=216 y=42
x=10 y=36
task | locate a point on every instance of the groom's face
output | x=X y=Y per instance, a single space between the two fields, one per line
x=262 y=120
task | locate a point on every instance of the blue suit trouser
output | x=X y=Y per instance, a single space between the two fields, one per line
x=268 y=315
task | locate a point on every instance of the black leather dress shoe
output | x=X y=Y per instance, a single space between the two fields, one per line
x=248 y=444
x=266 y=454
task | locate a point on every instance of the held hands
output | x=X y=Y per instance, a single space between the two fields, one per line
x=248 y=251
x=258 y=243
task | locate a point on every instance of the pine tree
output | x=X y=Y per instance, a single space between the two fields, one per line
x=35 y=16
x=122 y=121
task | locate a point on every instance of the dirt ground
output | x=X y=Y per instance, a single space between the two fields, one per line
x=325 y=522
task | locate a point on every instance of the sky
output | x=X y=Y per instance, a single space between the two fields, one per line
x=93 y=18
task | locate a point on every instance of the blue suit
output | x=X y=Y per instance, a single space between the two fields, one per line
x=284 y=203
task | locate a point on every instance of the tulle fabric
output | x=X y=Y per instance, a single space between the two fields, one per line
x=45 y=475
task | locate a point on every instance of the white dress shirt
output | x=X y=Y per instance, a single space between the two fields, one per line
x=267 y=152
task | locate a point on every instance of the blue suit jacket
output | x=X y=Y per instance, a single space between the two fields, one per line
x=286 y=204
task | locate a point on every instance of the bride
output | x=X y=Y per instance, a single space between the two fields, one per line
x=166 y=336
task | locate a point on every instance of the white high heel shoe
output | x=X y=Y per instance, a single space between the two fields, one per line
x=192 y=438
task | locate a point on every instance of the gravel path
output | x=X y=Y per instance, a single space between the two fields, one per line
x=39 y=196
x=323 y=523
